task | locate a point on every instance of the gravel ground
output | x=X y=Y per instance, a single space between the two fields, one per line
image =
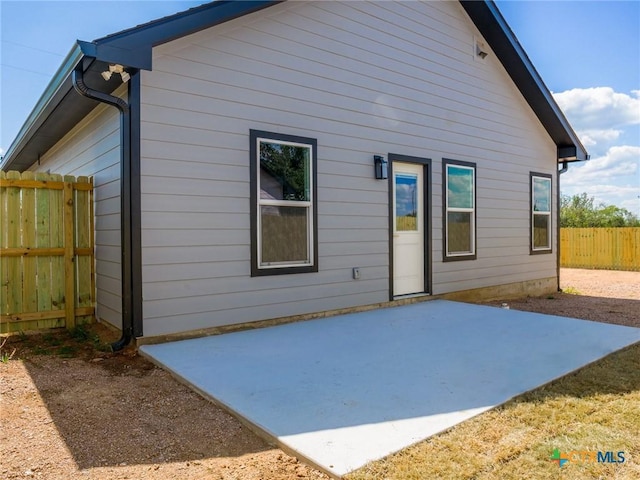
x=70 y=411
x=602 y=283
x=598 y=295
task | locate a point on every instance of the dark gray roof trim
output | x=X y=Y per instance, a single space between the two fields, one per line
x=493 y=27
x=60 y=108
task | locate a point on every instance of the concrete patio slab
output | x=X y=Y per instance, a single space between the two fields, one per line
x=342 y=391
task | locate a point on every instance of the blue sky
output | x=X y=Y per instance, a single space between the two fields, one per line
x=587 y=52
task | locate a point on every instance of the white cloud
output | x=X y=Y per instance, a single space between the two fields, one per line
x=608 y=123
x=592 y=138
x=613 y=178
x=632 y=204
x=620 y=161
x=620 y=196
x=405 y=198
x=599 y=108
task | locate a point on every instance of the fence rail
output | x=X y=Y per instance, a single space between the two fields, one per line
x=600 y=248
x=46 y=249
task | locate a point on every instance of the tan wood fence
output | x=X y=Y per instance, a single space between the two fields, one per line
x=46 y=251
x=601 y=248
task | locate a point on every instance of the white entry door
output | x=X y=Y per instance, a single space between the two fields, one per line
x=408 y=228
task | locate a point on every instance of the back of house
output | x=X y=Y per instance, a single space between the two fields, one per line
x=287 y=159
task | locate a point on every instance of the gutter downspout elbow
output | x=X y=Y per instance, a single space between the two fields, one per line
x=565 y=167
x=125 y=199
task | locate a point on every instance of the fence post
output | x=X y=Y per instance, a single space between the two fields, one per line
x=43 y=241
x=14 y=264
x=28 y=227
x=83 y=241
x=4 y=243
x=69 y=274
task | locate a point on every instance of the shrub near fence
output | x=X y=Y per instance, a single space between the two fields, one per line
x=46 y=250
x=600 y=248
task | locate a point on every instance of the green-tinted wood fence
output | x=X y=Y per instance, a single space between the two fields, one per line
x=46 y=251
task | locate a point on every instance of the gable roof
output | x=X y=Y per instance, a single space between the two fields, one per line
x=60 y=108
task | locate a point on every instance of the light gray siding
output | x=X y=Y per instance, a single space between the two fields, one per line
x=92 y=149
x=363 y=78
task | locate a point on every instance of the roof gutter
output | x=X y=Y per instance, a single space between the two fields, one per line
x=125 y=199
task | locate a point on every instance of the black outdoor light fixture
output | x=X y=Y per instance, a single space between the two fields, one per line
x=381 y=167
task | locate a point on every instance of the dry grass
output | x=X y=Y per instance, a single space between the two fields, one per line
x=594 y=409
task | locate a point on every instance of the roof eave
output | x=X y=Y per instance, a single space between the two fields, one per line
x=131 y=48
x=49 y=100
x=133 y=57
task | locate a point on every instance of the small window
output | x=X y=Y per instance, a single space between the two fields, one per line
x=541 y=226
x=406 y=202
x=459 y=184
x=284 y=214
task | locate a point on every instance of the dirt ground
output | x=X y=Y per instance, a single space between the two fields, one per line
x=69 y=410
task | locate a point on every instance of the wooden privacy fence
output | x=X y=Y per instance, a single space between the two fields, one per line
x=46 y=250
x=602 y=248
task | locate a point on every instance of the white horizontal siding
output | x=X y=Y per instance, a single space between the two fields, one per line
x=363 y=78
x=92 y=148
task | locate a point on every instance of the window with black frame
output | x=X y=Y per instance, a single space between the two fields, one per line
x=283 y=202
x=459 y=181
x=541 y=225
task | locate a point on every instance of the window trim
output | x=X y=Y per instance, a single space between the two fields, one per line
x=453 y=257
x=254 y=197
x=540 y=250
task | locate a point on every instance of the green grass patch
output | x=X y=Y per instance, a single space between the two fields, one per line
x=80 y=333
x=80 y=341
x=53 y=340
x=594 y=409
x=40 y=350
x=571 y=291
x=67 y=351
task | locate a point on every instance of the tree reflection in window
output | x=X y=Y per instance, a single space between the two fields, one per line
x=284 y=172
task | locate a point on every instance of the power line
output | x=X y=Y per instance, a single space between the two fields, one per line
x=26 y=70
x=33 y=48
